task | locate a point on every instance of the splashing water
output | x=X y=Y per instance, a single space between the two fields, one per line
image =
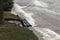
x=40 y=3
x=17 y=10
x=47 y=33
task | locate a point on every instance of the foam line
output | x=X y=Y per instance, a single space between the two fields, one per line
x=47 y=33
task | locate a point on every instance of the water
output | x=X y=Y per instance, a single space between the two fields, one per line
x=47 y=34
x=17 y=9
x=27 y=8
x=33 y=6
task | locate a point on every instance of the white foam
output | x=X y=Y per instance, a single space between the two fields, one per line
x=19 y=11
x=40 y=3
x=47 y=34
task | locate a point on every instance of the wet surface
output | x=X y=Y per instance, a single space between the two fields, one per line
x=45 y=18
